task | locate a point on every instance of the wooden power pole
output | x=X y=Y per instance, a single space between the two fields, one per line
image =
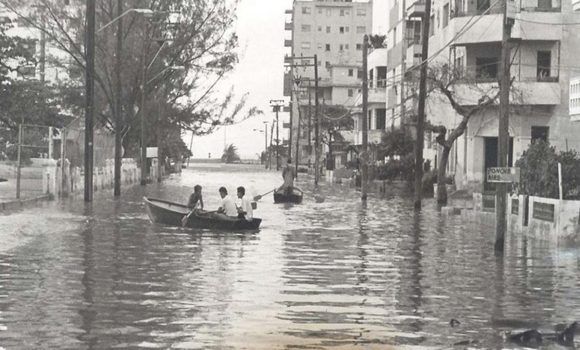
x=89 y=100
x=365 y=129
x=419 y=144
x=503 y=132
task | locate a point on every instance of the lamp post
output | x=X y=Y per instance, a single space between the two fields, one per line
x=265 y=131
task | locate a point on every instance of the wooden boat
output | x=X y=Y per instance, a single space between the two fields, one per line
x=294 y=197
x=169 y=213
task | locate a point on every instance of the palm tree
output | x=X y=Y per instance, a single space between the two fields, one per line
x=230 y=154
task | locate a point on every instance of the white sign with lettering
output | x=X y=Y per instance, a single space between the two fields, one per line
x=503 y=175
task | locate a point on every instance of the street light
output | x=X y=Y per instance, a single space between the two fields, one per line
x=265 y=141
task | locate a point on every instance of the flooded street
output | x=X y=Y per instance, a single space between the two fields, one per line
x=317 y=275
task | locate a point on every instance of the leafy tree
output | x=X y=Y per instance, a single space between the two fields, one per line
x=230 y=154
x=194 y=34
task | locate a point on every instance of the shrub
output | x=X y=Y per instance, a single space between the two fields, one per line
x=539 y=171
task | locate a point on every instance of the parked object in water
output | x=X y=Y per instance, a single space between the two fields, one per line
x=293 y=196
x=171 y=214
x=533 y=338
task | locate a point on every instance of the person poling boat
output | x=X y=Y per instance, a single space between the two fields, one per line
x=288 y=174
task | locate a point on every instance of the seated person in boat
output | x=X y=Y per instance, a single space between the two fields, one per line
x=288 y=174
x=196 y=199
x=245 y=208
x=227 y=207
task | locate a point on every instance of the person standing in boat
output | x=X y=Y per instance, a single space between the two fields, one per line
x=245 y=210
x=196 y=199
x=288 y=174
x=227 y=207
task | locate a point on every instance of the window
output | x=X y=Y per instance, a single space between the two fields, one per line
x=381 y=77
x=361 y=29
x=486 y=67
x=361 y=12
x=350 y=92
x=305 y=45
x=327 y=47
x=340 y=47
x=346 y=47
x=347 y=29
x=26 y=72
x=341 y=30
x=432 y=26
x=359 y=73
x=342 y=12
x=540 y=133
x=351 y=72
x=328 y=29
x=445 y=15
x=329 y=12
x=327 y=65
x=319 y=28
x=359 y=47
x=30 y=47
x=544 y=63
x=371 y=78
x=459 y=65
x=381 y=115
x=370 y=120
x=306 y=27
x=306 y=10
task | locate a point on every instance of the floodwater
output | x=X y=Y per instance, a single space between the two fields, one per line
x=331 y=275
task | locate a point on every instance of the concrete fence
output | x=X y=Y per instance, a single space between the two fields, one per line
x=64 y=180
x=544 y=218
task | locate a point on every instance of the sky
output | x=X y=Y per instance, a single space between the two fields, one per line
x=260 y=28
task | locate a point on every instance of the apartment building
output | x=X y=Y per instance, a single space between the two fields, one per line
x=333 y=31
x=466 y=35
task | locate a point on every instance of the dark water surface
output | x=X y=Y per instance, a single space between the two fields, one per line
x=319 y=275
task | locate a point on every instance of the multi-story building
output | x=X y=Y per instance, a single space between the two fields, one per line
x=466 y=36
x=333 y=31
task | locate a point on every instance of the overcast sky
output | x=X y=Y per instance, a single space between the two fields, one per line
x=260 y=28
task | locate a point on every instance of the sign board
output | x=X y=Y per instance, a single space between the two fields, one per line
x=503 y=175
x=151 y=152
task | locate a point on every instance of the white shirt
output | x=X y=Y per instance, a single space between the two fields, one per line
x=229 y=206
x=246 y=207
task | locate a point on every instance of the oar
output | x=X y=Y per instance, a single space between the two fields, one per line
x=186 y=217
x=258 y=197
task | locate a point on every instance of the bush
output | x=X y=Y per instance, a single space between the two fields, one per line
x=539 y=172
x=403 y=168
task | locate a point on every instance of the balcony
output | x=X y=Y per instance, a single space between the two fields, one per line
x=416 y=9
x=527 y=30
x=288 y=26
x=540 y=6
x=378 y=94
x=523 y=92
x=287 y=43
x=484 y=29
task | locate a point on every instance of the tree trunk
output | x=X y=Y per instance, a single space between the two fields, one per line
x=441 y=176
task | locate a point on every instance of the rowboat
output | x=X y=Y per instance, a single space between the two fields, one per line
x=294 y=197
x=170 y=214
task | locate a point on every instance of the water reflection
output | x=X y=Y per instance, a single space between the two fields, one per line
x=336 y=274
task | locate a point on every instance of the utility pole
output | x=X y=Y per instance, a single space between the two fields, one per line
x=276 y=105
x=503 y=132
x=365 y=129
x=89 y=100
x=143 y=141
x=297 y=138
x=118 y=103
x=403 y=65
x=419 y=144
x=270 y=149
x=316 y=125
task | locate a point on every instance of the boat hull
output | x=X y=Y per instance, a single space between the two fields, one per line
x=170 y=214
x=294 y=197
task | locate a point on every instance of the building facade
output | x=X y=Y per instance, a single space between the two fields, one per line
x=466 y=37
x=333 y=31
